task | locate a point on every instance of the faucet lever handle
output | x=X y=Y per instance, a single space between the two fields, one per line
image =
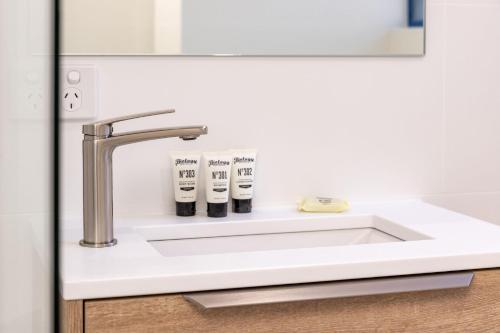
x=104 y=128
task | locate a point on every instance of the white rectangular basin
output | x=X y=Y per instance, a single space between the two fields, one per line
x=286 y=235
x=266 y=242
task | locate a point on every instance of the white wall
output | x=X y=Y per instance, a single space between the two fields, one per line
x=362 y=128
x=471 y=153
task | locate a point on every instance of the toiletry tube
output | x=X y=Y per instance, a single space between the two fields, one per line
x=242 y=179
x=185 y=167
x=218 y=173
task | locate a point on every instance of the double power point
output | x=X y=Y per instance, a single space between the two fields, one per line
x=78 y=92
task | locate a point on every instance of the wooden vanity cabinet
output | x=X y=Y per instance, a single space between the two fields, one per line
x=474 y=309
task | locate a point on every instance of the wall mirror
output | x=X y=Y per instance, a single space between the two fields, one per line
x=244 y=27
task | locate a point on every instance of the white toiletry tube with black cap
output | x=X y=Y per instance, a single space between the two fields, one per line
x=185 y=169
x=217 y=176
x=243 y=179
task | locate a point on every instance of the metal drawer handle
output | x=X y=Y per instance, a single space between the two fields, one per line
x=327 y=290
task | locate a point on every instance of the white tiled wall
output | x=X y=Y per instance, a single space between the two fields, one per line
x=363 y=128
x=472 y=109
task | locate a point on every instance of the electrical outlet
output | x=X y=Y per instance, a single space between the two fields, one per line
x=72 y=100
x=34 y=101
x=78 y=92
x=33 y=94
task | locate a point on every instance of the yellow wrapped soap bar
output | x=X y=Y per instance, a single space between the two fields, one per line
x=323 y=205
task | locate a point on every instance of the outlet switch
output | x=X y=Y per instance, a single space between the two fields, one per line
x=73 y=77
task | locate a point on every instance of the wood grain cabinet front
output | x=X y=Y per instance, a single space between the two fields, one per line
x=473 y=309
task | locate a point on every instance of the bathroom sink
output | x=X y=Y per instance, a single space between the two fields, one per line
x=286 y=235
x=266 y=242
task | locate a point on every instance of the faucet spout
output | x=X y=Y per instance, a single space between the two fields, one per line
x=98 y=145
x=190 y=132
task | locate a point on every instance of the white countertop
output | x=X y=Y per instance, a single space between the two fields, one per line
x=448 y=241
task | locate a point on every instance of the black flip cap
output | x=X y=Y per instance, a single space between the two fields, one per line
x=217 y=209
x=242 y=206
x=185 y=208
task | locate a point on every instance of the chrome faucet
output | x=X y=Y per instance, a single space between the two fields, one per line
x=99 y=142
